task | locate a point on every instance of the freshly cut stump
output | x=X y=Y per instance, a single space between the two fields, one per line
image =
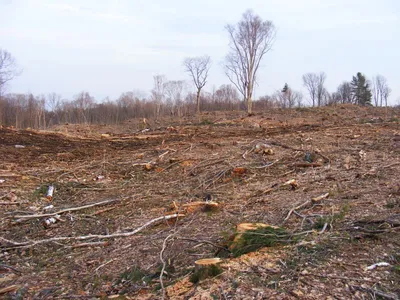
x=203 y=205
x=201 y=263
x=206 y=268
x=244 y=227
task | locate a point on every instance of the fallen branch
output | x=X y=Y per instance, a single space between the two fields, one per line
x=103 y=211
x=375 y=292
x=95 y=244
x=295 y=208
x=5 y=267
x=391 y=165
x=10 y=288
x=307 y=165
x=10 y=203
x=91 y=236
x=102 y=265
x=27 y=217
x=164 y=246
x=323 y=228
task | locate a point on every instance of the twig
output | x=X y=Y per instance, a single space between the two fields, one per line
x=268 y=165
x=375 y=292
x=66 y=210
x=391 y=165
x=10 y=203
x=103 y=211
x=307 y=165
x=91 y=236
x=323 y=228
x=162 y=155
x=10 y=268
x=223 y=293
x=342 y=277
x=247 y=152
x=106 y=263
x=94 y=244
x=164 y=246
x=295 y=208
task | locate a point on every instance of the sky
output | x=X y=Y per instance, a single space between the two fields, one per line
x=115 y=46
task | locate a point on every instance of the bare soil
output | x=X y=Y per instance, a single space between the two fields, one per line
x=146 y=168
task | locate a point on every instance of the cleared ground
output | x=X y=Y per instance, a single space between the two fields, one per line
x=146 y=174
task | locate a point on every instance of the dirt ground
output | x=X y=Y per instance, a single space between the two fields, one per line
x=135 y=173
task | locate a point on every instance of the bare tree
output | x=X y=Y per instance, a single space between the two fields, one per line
x=315 y=86
x=198 y=68
x=288 y=98
x=173 y=90
x=157 y=93
x=250 y=39
x=8 y=68
x=344 y=93
x=381 y=90
x=386 y=93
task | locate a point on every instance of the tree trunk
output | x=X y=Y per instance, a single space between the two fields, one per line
x=249 y=106
x=198 y=100
x=249 y=100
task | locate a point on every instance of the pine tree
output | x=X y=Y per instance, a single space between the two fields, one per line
x=360 y=90
x=285 y=88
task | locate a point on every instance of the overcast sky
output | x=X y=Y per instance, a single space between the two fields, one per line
x=110 y=47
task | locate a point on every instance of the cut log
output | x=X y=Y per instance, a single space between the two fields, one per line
x=318 y=199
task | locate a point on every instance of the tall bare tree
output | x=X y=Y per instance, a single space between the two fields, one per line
x=8 y=68
x=157 y=93
x=381 y=90
x=198 y=68
x=250 y=39
x=315 y=86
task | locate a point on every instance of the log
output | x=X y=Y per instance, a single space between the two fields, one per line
x=318 y=199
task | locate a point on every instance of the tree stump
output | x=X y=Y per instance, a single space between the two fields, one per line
x=206 y=268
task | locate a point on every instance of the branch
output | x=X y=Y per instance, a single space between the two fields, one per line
x=296 y=208
x=27 y=217
x=91 y=236
x=164 y=246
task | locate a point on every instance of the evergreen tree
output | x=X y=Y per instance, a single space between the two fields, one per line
x=360 y=90
x=285 y=88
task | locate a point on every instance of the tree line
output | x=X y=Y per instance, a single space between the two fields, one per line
x=250 y=40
